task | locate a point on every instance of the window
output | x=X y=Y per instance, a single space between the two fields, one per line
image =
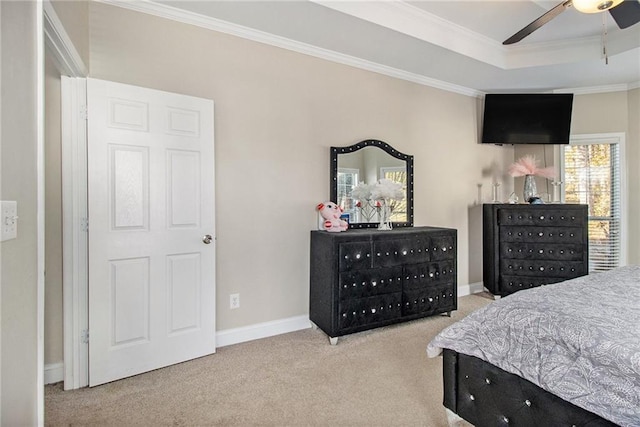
x=591 y=173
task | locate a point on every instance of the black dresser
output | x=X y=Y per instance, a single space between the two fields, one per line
x=525 y=246
x=364 y=279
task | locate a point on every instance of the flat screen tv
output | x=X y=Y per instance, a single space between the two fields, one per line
x=527 y=118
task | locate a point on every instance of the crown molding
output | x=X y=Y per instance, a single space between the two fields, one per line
x=550 y=53
x=597 y=89
x=413 y=21
x=405 y=18
x=58 y=43
x=401 y=13
x=186 y=17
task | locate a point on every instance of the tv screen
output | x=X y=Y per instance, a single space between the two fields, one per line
x=527 y=118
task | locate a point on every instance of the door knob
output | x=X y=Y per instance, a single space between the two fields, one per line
x=207 y=239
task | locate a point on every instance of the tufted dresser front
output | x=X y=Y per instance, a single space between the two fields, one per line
x=363 y=279
x=531 y=245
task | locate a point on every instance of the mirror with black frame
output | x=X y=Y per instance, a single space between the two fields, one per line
x=367 y=162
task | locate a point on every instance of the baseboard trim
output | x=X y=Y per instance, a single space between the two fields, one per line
x=471 y=288
x=53 y=373
x=261 y=330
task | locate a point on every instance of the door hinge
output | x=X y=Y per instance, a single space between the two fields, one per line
x=84 y=224
x=84 y=336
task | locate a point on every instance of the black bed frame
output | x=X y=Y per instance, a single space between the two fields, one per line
x=486 y=395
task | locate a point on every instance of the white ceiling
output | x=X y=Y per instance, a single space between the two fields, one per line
x=455 y=45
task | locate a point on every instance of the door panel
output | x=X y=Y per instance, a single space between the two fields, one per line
x=151 y=201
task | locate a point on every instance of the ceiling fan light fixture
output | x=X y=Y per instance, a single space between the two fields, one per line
x=594 y=6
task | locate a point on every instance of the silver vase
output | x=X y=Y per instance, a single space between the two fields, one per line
x=530 y=189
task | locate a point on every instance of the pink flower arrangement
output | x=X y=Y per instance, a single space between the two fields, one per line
x=528 y=165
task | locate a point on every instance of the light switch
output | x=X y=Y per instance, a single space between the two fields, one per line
x=9 y=220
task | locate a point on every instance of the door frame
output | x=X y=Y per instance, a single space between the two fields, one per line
x=75 y=285
x=75 y=236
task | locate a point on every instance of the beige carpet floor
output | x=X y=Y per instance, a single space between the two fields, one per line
x=380 y=377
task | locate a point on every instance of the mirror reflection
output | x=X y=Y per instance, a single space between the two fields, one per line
x=355 y=171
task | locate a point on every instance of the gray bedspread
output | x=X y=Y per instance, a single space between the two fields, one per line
x=579 y=340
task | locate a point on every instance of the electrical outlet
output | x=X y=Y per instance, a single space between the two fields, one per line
x=234 y=301
x=9 y=219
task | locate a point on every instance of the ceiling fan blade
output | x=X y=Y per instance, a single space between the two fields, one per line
x=626 y=13
x=548 y=16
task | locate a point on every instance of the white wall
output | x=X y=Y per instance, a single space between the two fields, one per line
x=19 y=276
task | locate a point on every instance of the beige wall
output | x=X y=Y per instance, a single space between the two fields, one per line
x=277 y=113
x=74 y=16
x=612 y=112
x=19 y=264
x=53 y=344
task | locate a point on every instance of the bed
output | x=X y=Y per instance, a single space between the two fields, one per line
x=561 y=354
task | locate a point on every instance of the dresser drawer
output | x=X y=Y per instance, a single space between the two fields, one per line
x=443 y=247
x=541 y=235
x=538 y=251
x=511 y=284
x=361 y=283
x=526 y=267
x=428 y=300
x=358 y=312
x=542 y=218
x=387 y=253
x=354 y=255
x=428 y=274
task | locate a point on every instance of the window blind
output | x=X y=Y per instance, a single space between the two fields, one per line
x=592 y=176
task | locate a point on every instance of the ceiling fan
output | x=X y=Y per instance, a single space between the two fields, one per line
x=625 y=13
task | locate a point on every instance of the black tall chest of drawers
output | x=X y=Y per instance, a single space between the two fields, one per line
x=364 y=279
x=525 y=246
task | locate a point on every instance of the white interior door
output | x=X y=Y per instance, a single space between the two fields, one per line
x=151 y=204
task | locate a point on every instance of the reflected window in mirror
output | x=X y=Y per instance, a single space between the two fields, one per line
x=397 y=174
x=368 y=162
x=347 y=179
